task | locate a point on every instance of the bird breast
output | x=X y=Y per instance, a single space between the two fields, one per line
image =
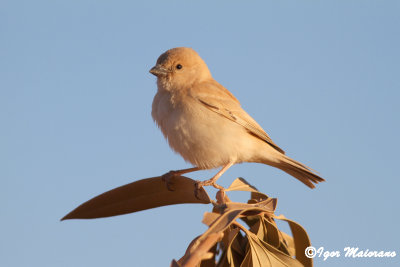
x=202 y=137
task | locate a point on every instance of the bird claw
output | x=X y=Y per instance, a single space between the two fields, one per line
x=167 y=179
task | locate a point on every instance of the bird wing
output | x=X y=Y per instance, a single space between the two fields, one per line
x=218 y=99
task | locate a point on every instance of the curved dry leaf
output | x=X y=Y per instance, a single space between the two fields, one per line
x=259 y=255
x=247 y=262
x=140 y=195
x=258 y=228
x=256 y=255
x=201 y=250
x=225 y=219
x=257 y=197
x=272 y=233
x=232 y=260
x=280 y=257
x=288 y=243
x=264 y=254
x=268 y=205
x=240 y=184
x=220 y=223
x=211 y=261
x=210 y=217
x=187 y=252
x=301 y=241
x=263 y=245
x=267 y=231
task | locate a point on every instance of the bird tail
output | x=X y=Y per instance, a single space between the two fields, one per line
x=299 y=171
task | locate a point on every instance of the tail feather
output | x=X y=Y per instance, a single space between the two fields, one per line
x=300 y=171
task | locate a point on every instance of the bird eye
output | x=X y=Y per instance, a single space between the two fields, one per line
x=179 y=66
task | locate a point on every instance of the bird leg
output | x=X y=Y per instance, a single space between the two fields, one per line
x=167 y=177
x=214 y=179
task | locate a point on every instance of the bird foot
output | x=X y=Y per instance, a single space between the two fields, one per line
x=199 y=185
x=167 y=179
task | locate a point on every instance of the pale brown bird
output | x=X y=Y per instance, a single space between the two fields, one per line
x=205 y=123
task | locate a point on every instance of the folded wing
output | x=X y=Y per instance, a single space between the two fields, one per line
x=218 y=99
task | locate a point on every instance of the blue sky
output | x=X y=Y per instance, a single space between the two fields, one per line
x=322 y=77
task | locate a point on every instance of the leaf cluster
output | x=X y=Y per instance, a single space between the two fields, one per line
x=239 y=234
x=254 y=241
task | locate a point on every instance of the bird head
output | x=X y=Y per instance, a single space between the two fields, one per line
x=180 y=67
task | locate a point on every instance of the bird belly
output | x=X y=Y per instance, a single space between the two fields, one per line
x=200 y=136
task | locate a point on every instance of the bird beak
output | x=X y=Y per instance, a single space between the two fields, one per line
x=157 y=70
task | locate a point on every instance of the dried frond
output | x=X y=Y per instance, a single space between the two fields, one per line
x=239 y=234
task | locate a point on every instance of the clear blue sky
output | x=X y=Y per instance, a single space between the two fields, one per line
x=322 y=77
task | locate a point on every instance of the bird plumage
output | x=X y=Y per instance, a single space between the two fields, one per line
x=206 y=124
